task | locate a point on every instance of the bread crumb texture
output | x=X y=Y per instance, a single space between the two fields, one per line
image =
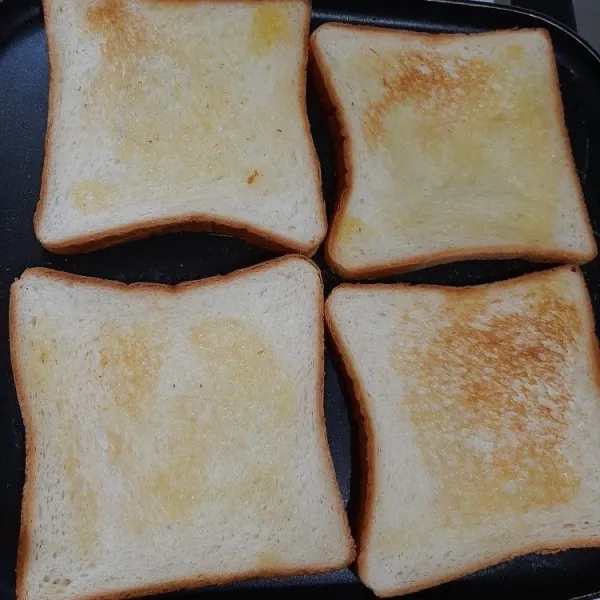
x=449 y=125
x=43 y=354
x=489 y=399
x=169 y=452
x=183 y=111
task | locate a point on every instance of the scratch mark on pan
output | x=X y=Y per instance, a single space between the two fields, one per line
x=586 y=163
x=17 y=432
x=586 y=160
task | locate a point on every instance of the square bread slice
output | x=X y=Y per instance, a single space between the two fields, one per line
x=454 y=146
x=175 y=436
x=168 y=115
x=480 y=409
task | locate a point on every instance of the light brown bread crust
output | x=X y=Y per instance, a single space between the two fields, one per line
x=479 y=565
x=338 y=122
x=192 y=222
x=366 y=439
x=366 y=510
x=24 y=547
x=186 y=584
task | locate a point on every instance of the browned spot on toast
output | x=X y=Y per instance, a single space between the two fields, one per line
x=489 y=398
x=112 y=19
x=458 y=144
x=428 y=79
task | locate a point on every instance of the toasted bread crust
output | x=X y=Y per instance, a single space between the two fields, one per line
x=192 y=222
x=340 y=130
x=196 y=223
x=367 y=508
x=442 y=258
x=199 y=582
x=478 y=565
x=24 y=548
x=54 y=77
x=366 y=437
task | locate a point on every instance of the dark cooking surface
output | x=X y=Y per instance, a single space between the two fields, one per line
x=174 y=258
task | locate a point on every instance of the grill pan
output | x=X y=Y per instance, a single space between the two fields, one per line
x=178 y=257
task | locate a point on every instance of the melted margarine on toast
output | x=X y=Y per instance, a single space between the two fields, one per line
x=465 y=144
x=165 y=452
x=181 y=109
x=210 y=425
x=489 y=397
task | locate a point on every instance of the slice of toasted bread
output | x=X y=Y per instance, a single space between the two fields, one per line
x=171 y=115
x=480 y=409
x=175 y=436
x=454 y=147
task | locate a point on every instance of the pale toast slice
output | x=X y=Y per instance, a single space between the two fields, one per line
x=169 y=115
x=453 y=147
x=480 y=409
x=175 y=436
